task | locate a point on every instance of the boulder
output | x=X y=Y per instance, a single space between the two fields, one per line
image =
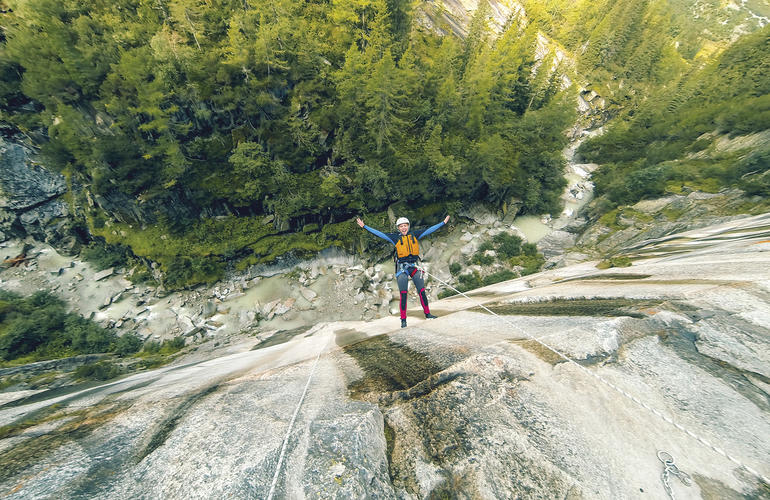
x=735 y=342
x=568 y=259
x=267 y=310
x=284 y=307
x=209 y=309
x=104 y=274
x=468 y=249
x=479 y=214
x=308 y=294
x=556 y=243
x=573 y=225
x=37 y=221
x=23 y=184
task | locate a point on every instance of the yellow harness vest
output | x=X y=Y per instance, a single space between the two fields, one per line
x=406 y=246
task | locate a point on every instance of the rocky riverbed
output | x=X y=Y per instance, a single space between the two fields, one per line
x=469 y=405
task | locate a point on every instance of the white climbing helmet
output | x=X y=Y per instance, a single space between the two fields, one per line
x=402 y=220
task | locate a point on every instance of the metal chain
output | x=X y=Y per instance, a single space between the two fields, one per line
x=669 y=468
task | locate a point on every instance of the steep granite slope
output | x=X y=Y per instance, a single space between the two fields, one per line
x=469 y=405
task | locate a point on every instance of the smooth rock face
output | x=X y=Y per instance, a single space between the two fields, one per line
x=470 y=405
x=737 y=343
x=30 y=203
x=556 y=243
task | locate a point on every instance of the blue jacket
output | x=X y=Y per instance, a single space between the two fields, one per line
x=393 y=238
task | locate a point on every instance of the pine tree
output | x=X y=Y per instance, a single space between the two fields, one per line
x=384 y=100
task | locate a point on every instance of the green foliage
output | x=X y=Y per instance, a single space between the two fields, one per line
x=507 y=245
x=252 y=106
x=469 y=281
x=529 y=264
x=529 y=249
x=618 y=261
x=610 y=219
x=498 y=276
x=127 y=344
x=195 y=256
x=165 y=348
x=474 y=280
x=38 y=327
x=644 y=155
x=486 y=245
x=455 y=268
x=183 y=271
x=254 y=175
x=510 y=250
x=103 y=370
x=482 y=260
x=104 y=256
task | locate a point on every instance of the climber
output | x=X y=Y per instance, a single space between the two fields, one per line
x=407 y=253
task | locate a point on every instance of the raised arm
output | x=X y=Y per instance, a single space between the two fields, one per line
x=374 y=231
x=433 y=228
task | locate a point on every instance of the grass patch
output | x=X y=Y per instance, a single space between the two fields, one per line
x=302 y=245
x=155 y=354
x=539 y=350
x=610 y=276
x=10 y=381
x=672 y=214
x=474 y=280
x=611 y=220
x=619 y=261
x=103 y=370
x=206 y=237
x=103 y=255
x=187 y=258
x=751 y=207
x=608 y=307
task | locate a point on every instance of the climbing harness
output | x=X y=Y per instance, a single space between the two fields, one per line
x=612 y=386
x=669 y=468
x=409 y=268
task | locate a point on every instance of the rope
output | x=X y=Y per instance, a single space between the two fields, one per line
x=291 y=425
x=613 y=386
